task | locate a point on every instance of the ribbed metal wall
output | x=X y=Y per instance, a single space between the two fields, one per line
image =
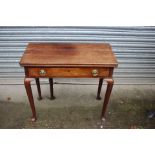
x=133 y=46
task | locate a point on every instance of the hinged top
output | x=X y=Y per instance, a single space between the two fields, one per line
x=68 y=54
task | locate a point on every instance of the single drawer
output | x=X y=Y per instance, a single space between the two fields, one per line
x=67 y=72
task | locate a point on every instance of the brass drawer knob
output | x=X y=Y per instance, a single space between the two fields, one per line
x=95 y=72
x=42 y=72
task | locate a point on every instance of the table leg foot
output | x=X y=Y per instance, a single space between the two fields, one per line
x=102 y=122
x=33 y=119
x=98 y=98
x=52 y=98
x=39 y=98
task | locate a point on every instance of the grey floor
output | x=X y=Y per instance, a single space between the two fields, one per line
x=75 y=107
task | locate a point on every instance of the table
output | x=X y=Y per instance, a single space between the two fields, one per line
x=68 y=60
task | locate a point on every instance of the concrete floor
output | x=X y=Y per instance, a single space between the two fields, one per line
x=75 y=106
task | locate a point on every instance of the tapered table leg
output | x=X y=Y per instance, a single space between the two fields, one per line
x=27 y=83
x=51 y=88
x=107 y=97
x=38 y=88
x=99 y=89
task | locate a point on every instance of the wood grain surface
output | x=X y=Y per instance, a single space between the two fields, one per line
x=68 y=54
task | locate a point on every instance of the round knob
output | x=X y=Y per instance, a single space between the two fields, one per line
x=95 y=72
x=42 y=72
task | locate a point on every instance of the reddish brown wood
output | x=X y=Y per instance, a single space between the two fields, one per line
x=107 y=96
x=111 y=72
x=26 y=71
x=38 y=88
x=51 y=88
x=67 y=72
x=68 y=60
x=68 y=54
x=27 y=83
x=99 y=89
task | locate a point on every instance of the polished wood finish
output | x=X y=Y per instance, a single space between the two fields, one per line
x=27 y=83
x=71 y=60
x=38 y=88
x=107 y=96
x=68 y=72
x=68 y=54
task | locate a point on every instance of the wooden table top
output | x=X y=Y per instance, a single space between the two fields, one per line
x=69 y=54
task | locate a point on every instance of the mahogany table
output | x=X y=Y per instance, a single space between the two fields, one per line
x=68 y=60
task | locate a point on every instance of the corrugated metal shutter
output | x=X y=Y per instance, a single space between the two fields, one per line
x=133 y=46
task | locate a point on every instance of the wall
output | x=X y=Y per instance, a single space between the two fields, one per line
x=133 y=46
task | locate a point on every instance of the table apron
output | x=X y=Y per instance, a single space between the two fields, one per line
x=68 y=72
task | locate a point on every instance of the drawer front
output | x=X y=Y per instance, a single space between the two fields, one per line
x=67 y=72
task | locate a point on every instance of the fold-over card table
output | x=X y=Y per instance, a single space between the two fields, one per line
x=68 y=60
